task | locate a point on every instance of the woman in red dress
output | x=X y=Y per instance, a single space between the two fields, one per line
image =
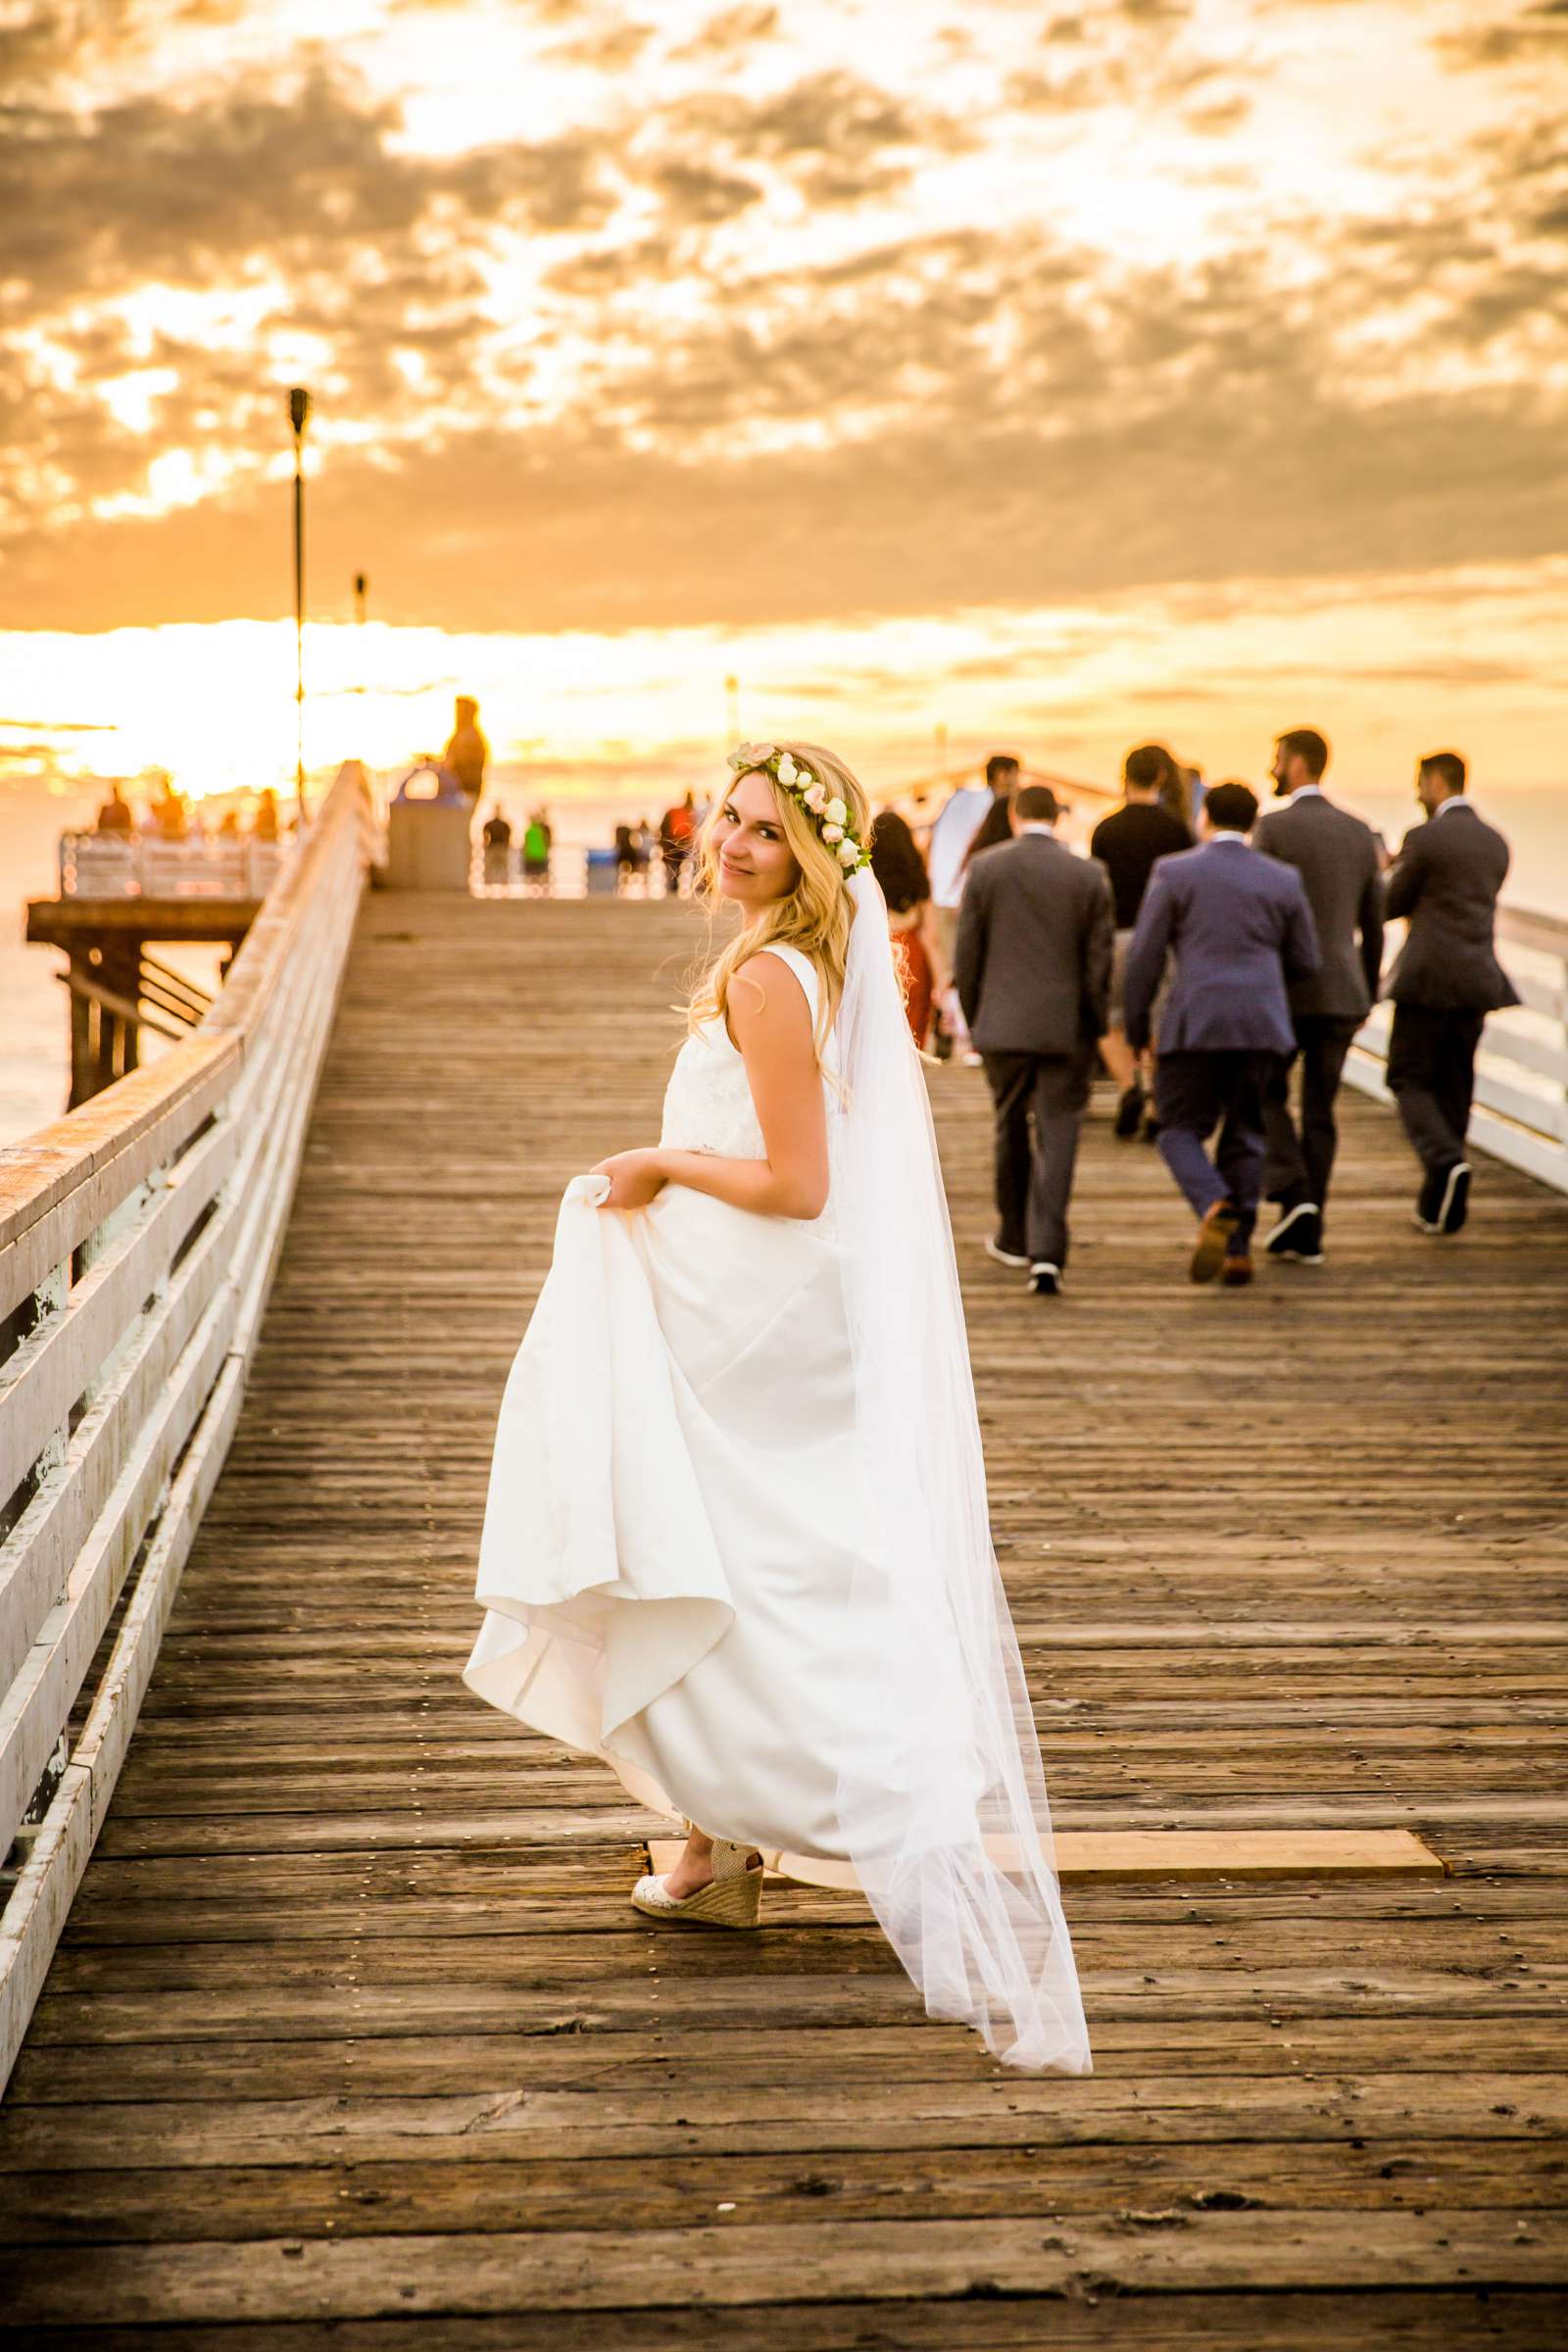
x=899 y=868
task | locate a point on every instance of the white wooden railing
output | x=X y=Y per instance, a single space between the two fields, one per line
x=138 y=1237
x=1521 y=1105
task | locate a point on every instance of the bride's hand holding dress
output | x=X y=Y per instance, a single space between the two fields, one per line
x=635 y=1178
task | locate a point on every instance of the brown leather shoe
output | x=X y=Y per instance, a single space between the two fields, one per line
x=1213 y=1239
x=1235 y=1273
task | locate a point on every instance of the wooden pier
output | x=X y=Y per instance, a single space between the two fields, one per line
x=351 y=2038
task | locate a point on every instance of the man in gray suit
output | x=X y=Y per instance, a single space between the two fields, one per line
x=1242 y=933
x=1447 y=978
x=1337 y=857
x=1032 y=966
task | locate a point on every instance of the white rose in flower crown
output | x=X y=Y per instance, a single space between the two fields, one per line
x=837 y=813
x=815 y=799
x=832 y=832
x=849 y=853
x=786 y=770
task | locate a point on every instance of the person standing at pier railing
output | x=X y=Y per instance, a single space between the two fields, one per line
x=1240 y=931
x=1337 y=857
x=737 y=1540
x=677 y=829
x=1445 y=882
x=467 y=748
x=115 y=817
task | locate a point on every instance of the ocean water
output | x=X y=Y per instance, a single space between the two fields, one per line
x=35 y=1028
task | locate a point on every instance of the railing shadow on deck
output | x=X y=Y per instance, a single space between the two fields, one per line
x=138 y=1237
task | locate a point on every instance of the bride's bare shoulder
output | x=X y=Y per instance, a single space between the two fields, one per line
x=768 y=991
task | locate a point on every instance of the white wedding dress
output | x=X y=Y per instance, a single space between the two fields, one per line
x=676 y=1502
x=736 y=1542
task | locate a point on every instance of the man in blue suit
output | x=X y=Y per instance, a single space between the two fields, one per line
x=1240 y=931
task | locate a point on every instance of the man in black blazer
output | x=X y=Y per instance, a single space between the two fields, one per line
x=1337 y=857
x=1242 y=933
x=1446 y=981
x=1032 y=966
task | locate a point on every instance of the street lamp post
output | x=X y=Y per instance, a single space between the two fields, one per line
x=299 y=410
x=732 y=692
x=361 y=593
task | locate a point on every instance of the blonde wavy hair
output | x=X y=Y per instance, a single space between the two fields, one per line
x=814 y=916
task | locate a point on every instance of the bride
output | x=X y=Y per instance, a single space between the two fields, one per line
x=736 y=1542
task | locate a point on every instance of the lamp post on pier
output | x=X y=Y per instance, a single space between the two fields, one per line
x=361 y=594
x=732 y=693
x=299 y=410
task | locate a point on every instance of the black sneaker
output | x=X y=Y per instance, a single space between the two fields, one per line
x=1297 y=1238
x=1455 y=1206
x=1152 y=1129
x=1429 y=1200
x=1045 y=1280
x=1130 y=1110
x=1017 y=1259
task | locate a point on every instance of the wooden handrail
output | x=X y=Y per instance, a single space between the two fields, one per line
x=137 y=1239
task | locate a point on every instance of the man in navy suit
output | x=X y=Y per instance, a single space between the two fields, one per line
x=1240 y=930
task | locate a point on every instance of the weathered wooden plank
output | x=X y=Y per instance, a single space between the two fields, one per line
x=747 y=2264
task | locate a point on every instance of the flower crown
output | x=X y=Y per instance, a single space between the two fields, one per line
x=812 y=794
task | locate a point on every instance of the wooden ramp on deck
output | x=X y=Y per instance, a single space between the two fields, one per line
x=352 y=2039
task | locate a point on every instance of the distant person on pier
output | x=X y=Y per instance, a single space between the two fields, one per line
x=1128 y=844
x=265 y=825
x=901 y=871
x=170 y=814
x=1032 y=966
x=497 y=846
x=1337 y=857
x=969 y=812
x=643 y=839
x=995 y=825
x=1445 y=882
x=1240 y=931
x=536 y=841
x=677 y=830
x=115 y=817
x=467 y=748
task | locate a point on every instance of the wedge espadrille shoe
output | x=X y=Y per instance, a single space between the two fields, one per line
x=733 y=1898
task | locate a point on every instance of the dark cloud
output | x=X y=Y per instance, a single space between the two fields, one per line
x=1540 y=30
x=840 y=138
x=694 y=193
x=606 y=46
x=732 y=32
x=238 y=184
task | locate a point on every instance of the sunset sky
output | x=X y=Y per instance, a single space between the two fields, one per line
x=1059 y=374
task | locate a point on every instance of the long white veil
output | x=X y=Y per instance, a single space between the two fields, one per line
x=942 y=1797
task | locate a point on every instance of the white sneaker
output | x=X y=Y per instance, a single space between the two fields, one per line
x=1005 y=1257
x=1045 y=1279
